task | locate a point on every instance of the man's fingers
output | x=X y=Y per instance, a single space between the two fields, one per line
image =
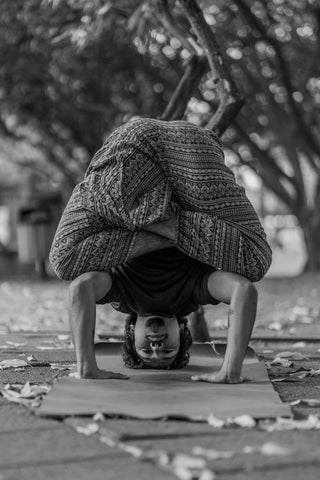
x=101 y=375
x=201 y=378
x=118 y=375
x=219 y=379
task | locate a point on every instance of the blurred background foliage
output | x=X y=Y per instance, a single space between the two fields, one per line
x=73 y=70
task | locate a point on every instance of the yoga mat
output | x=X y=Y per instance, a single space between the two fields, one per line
x=151 y=394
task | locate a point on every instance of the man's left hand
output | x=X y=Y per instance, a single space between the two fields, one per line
x=220 y=377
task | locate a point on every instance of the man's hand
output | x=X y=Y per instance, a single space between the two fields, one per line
x=101 y=375
x=220 y=377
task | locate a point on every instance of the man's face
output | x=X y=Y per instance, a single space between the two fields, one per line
x=157 y=340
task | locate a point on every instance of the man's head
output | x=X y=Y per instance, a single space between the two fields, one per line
x=156 y=341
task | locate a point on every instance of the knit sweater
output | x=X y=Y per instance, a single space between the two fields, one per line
x=147 y=171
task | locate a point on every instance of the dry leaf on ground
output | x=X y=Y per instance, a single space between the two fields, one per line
x=281 y=361
x=284 y=424
x=88 y=429
x=307 y=402
x=292 y=356
x=13 y=363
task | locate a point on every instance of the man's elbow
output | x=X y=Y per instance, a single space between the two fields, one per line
x=247 y=289
x=81 y=285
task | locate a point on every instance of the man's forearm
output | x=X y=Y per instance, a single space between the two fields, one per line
x=242 y=316
x=82 y=314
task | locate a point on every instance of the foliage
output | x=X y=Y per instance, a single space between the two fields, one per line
x=69 y=73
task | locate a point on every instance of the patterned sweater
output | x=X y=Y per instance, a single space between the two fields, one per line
x=147 y=171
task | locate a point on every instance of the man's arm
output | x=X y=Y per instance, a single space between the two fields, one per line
x=85 y=291
x=90 y=287
x=241 y=295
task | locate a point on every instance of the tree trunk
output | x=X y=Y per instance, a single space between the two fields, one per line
x=311 y=232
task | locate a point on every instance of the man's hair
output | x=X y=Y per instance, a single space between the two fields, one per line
x=131 y=358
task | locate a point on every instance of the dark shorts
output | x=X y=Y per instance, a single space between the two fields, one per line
x=164 y=282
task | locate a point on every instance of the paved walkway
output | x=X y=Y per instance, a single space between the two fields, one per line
x=37 y=448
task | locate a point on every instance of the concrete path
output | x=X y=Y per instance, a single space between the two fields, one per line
x=37 y=448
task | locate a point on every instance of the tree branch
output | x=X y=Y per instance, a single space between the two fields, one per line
x=164 y=15
x=47 y=146
x=230 y=101
x=273 y=172
x=195 y=70
x=296 y=110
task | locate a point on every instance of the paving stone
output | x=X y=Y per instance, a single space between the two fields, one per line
x=15 y=417
x=304 y=472
x=121 y=468
x=50 y=445
x=127 y=430
x=304 y=447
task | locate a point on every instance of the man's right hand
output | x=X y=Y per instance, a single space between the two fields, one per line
x=99 y=374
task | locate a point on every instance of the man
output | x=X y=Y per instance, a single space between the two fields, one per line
x=157 y=228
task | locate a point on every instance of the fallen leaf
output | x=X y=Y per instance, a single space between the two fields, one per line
x=277 y=326
x=292 y=355
x=268 y=448
x=181 y=460
x=13 y=363
x=215 y=422
x=183 y=473
x=244 y=421
x=207 y=475
x=62 y=366
x=63 y=337
x=16 y=344
x=11 y=397
x=133 y=450
x=272 y=448
x=299 y=345
x=281 y=361
x=299 y=310
x=306 y=320
x=288 y=379
x=285 y=424
x=98 y=417
x=49 y=347
x=306 y=402
x=212 y=454
x=33 y=391
x=88 y=429
x=28 y=395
